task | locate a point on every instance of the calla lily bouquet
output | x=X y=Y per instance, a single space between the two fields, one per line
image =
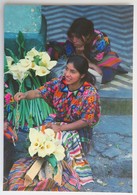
x=45 y=144
x=48 y=151
x=23 y=74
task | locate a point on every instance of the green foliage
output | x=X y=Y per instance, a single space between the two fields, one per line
x=15 y=58
x=21 y=45
x=5 y=64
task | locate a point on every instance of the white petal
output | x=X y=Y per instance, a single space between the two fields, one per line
x=33 y=133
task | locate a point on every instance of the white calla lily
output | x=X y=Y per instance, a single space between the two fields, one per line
x=18 y=72
x=9 y=60
x=45 y=56
x=59 y=152
x=26 y=64
x=49 y=147
x=42 y=150
x=33 y=133
x=51 y=64
x=32 y=150
x=44 y=143
x=49 y=134
x=46 y=62
x=33 y=52
x=41 y=71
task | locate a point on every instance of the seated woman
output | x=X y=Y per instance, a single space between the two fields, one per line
x=77 y=105
x=94 y=45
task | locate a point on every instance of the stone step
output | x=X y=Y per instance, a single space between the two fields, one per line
x=116 y=106
x=111 y=152
x=109 y=184
x=116 y=96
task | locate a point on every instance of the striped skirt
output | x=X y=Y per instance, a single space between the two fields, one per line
x=76 y=171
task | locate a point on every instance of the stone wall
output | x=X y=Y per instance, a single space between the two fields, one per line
x=28 y=20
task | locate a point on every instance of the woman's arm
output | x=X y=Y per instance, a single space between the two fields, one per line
x=95 y=67
x=71 y=126
x=91 y=65
x=32 y=94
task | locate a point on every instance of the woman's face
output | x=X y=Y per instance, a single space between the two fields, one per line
x=72 y=76
x=78 y=42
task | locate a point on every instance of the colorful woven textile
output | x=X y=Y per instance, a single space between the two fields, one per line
x=75 y=156
x=20 y=167
x=76 y=169
x=111 y=59
x=74 y=150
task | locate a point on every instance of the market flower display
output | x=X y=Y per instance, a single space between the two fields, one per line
x=34 y=60
x=23 y=74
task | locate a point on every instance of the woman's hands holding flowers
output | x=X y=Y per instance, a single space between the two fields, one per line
x=19 y=96
x=55 y=127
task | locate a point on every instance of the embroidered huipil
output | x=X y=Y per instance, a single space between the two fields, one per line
x=70 y=106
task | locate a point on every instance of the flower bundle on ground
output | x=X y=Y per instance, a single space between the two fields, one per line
x=44 y=144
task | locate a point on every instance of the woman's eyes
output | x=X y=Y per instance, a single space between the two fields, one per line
x=72 y=71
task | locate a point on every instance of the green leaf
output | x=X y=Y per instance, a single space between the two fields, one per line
x=13 y=85
x=53 y=161
x=21 y=45
x=6 y=68
x=28 y=83
x=37 y=59
x=20 y=39
x=12 y=55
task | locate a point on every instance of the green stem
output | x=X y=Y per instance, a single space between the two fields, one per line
x=17 y=113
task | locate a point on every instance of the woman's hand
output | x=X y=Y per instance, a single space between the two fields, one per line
x=96 y=68
x=19 y=96
x=55 y=127
x=29 y=95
